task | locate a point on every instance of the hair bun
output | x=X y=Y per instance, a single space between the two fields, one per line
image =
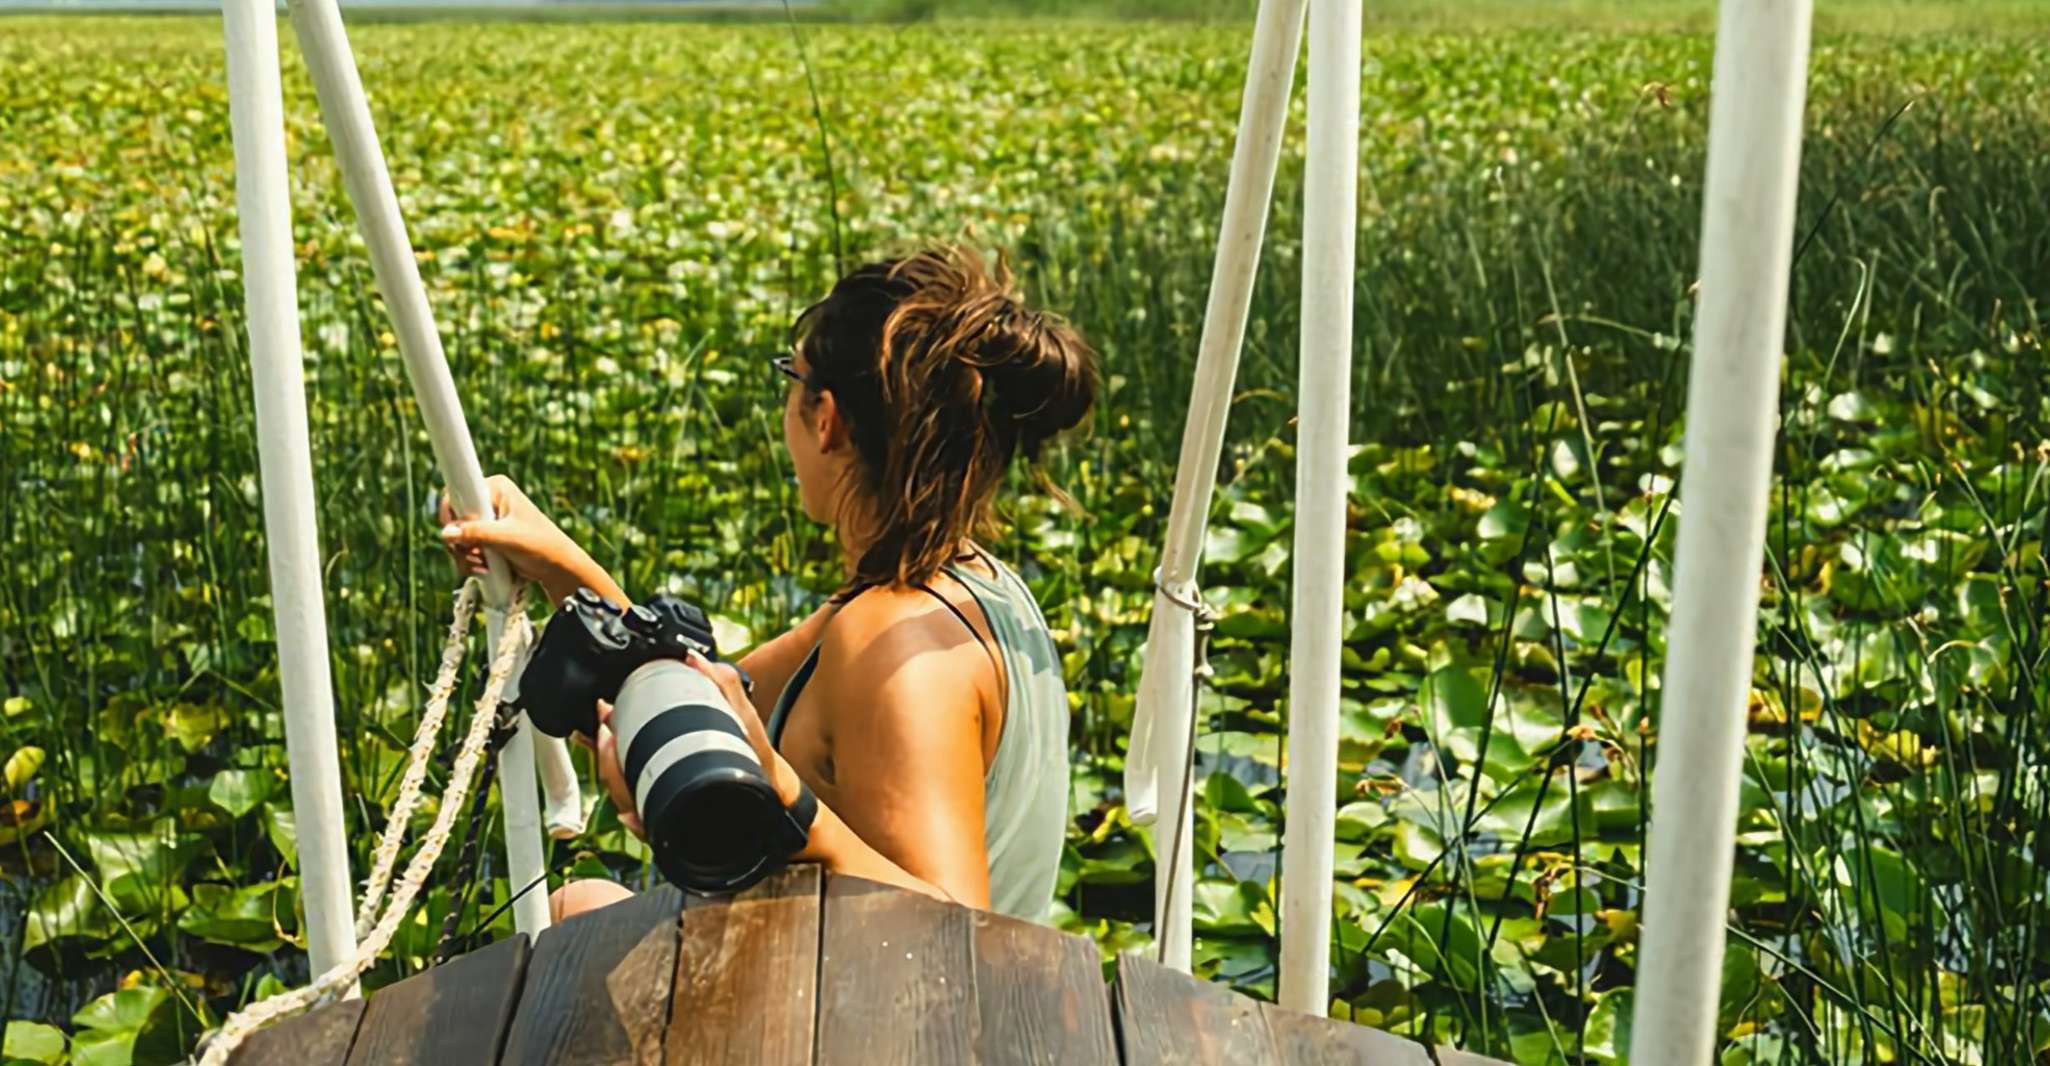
x=1041 y=374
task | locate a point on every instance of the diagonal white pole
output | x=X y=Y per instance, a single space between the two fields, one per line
x=1330 y=229
x=346 y=113
x=1747 y=229
x=1162 y=735
x=256 y=115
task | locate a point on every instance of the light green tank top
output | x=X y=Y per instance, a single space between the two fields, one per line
x=1025 y=791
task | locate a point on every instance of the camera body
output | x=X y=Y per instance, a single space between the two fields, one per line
x=713 y=820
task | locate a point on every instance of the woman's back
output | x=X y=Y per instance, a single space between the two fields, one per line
x=1025 y=795
x=1025 y=784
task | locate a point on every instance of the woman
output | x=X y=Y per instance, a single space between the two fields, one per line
x=923 y=704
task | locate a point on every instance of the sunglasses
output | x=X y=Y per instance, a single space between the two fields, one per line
x=787 y=366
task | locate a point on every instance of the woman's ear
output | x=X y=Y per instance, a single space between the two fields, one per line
x=827 y=422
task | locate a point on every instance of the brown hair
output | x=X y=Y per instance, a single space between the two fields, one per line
x=944 y=377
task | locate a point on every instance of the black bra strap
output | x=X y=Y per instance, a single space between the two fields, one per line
x=949 y=605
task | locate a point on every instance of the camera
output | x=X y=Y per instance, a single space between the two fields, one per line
x=713 y=820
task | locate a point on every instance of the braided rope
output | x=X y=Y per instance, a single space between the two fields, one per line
x=386 y=858
x=506 y=657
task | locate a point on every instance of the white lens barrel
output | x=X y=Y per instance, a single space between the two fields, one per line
x=655 y=689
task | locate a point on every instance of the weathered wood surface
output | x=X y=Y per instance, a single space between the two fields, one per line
x=322 y=1038
x=1307 y=1040
x=747 y=976
x=1170 y=1018
x=895 y=955
x=809 y=970
x=1040 y=996
x=598 y=985
x=455 y=1014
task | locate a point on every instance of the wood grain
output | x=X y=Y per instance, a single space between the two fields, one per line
x=598 y=986
x=455 y=1014
x=896 y=978
x=1307 y=1040
x=1167 y=1018
x=1039 y=996
x=321 y=1038
x=747 y=976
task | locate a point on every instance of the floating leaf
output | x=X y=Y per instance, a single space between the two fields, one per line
x=67 y=916
x=249 y=917
x=240 y=791
x=138 y=1026
x=279 y=826
x=22 y=766
x=192 y=726
x=34 y=1042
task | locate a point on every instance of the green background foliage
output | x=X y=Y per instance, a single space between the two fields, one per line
x=617 y=223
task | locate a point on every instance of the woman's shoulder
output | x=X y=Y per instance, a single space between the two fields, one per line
x=885 y=629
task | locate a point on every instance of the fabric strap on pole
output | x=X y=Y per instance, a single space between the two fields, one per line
x=1754 y=152
x=1323 y=404
x=346 y=113
x=1162 y=736
x=256 y=115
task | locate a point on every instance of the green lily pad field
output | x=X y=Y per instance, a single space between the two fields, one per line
x=617 y=223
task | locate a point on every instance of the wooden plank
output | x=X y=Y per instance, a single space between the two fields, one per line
x=1039 y=996
x=896 y=978
x=1167 y=1018
x=455 y=1014
x=747 y=976
x=321 y=1038
x=1454 y=1057
x=1307 y=1040
x=599 y=985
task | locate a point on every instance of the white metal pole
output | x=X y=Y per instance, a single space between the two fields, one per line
x=346 y=113
x=525 y=858
x=1754 y=151
x=1330 y=228
x=256 y=115
x=1161 y=733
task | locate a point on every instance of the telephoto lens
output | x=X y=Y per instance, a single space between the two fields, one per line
x=713 y=820
x=709 y=809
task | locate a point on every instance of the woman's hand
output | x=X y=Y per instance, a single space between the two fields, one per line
x=535 y=547
x=612 y=776
x=782 y=777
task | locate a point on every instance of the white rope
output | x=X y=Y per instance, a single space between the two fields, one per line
x=386 y=858
x=506 y=656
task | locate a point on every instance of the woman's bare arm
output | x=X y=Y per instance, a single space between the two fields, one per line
x=772 y=664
